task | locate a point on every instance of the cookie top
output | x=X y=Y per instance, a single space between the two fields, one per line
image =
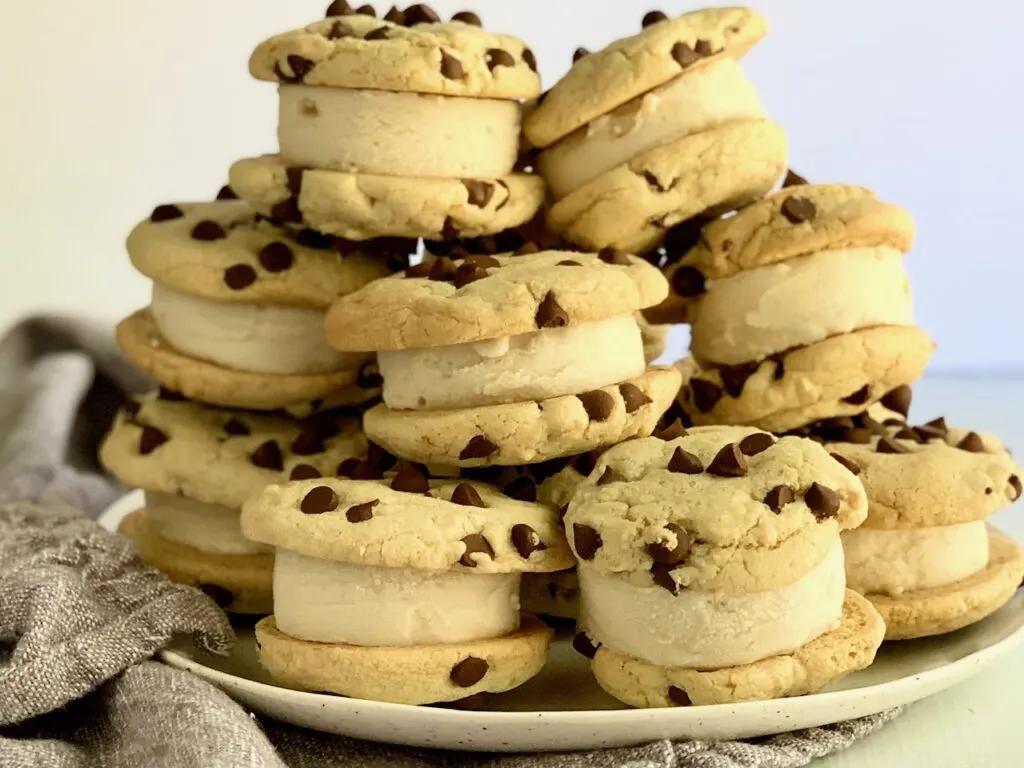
x=213 y=455
x=795 y=221
x=722 y=508
x=225 y=251
x=922 y=476
x=408 y=521
x=450 y=59
x=599 y=82
x=447 y=302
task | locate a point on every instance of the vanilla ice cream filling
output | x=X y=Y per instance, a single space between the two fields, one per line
x=693 y=102
x=530 y=366
x=247 y=337
x=891 y=562
x=710 y=630
x=328 y=602
x=397 y=134
x=762 y=311
x=209 y=528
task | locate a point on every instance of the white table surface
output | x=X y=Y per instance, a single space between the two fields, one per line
x=980 y=723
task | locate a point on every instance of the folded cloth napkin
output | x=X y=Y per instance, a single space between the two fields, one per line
x=80 y=615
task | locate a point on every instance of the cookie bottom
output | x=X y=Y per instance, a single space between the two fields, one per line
x=529 y=432
x=551 y=594
x=238 y=583
x=210 y=383
x=939 y=610
x=361 y=206
x=848 y=648
x=632 y=207
x=840 y=376
x=415 y=675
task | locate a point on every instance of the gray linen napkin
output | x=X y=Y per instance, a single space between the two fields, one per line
x=80 y=615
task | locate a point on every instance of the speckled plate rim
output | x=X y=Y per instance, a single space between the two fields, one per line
x=863 y=693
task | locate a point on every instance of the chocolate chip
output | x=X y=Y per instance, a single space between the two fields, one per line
x=706 y=394
x=908 y=433
x=469 y=672
x=526 y=540
x=339 y=8
x=936 y=427
x=662 y=576
x=972 y=442
x=360 y=513
x=778 y=497
x=584 y=646
x=579 y=53
x=451 y=67
x=151 y=439
x=338 y=30
x=165 y=213
x=442 y=269
x=236 y=428
x=704 y=48
x=633 y=397
x=276 y=257
x=859 y=397
x=239 y=276
x=822 y=501
x=319 y=500
x=887 y=445
x=653 y=17
x=614 y=256
x=673 y=431
x=468 y=273
x=299 y=65
x=479 y=447
x=688 y=282
x=522 y=489
x=684 y=463
x=304 y=472
x=348 y=467
x=856 y=435
x=898 y=400
x=568 y=263
x=734 y=377
x=661 y=553
x=467 y=496
x=598 y=404
x=475 y=544
x=684 y=55
x=380 y=33
x=395 y=16
x=468 y=17
x=448 y=230
x=728 y=462
x=1017 y=486
x=286 y=212
x=207 y=230
x=798 y=210
x=483 y=261
x=268 y=456
x=420 y=14
x=587 y=541
x=550 y=313
x=419 y=270
x=751 y=445
x=793 y=179
x=530 y=59
x=609 y=476
x=848 y=463
x=496 y=57
x=226 y=193
x=526 y=249
x=308 y=443
x=410 y=480
x=366 y=10
x=364 y=470
x=220 y=595
x=679 y=697
x=480 y=192
x=131 y=409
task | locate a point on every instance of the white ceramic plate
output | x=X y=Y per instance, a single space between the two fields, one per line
x=564 y=709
